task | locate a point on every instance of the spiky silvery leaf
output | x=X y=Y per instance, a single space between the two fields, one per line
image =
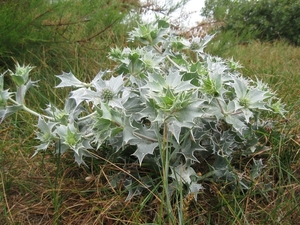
x=8 y=110
x=188 y=176
x=4 y=96
x=70 y=138
x=45 y=134
x=69 y=80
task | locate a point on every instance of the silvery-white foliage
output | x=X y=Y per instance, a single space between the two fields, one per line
x=158 y=107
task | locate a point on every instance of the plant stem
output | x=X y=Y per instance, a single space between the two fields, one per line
x=165 y=173
x=56 y=193
x=144 y=137
x=24 y=107
x=222 y=110
x=87 y=116
x=157 y=48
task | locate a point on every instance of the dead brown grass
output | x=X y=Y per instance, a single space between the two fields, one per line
x=35 y=194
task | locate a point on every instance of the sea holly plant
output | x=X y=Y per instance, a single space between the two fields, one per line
x=167 y=106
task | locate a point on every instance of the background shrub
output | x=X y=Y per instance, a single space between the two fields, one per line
x=263 y=19
x=59 y=34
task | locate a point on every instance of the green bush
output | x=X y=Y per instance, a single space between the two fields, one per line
x=264 y=19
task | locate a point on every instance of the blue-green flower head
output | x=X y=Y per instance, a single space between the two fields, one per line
x=144 y=33
x=111 y=91
x=152 y=60
x=248 y=96
x=245 y=102
x=278 y=107
x=115 y=53
x=71 y=138
x=21 y=74
x=45 y=134
x=195 y=44
x=57 y=114
x=69 y=135
x=233 y=65
x=107 y=94
x=198 y=44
